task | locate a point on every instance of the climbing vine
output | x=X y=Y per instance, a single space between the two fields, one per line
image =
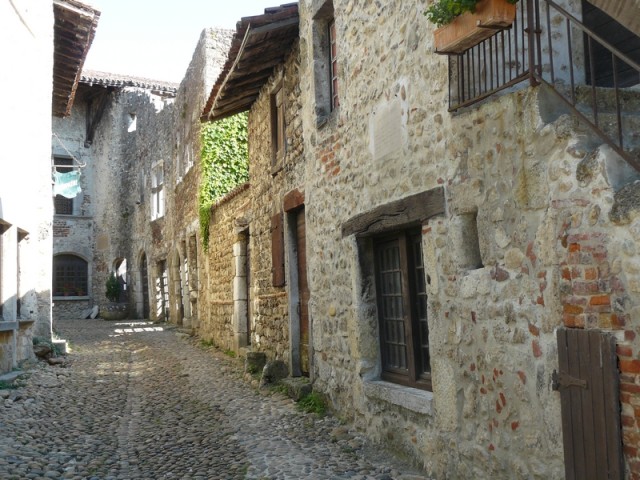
x=224 y=164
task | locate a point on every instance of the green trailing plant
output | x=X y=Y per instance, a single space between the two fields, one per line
x=113 y=288
x=442 y=12
x=225 y=164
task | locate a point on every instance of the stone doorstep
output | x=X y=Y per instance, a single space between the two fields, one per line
x=297 y=387
x=11 y=376
x=62 y=345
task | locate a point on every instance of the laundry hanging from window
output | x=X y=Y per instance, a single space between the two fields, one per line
x=66 y=184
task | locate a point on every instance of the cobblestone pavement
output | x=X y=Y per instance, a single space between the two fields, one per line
x=141 y=401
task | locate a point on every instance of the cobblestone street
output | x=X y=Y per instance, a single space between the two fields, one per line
x=142 y=401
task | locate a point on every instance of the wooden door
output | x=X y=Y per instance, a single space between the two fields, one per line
x=145 y=287
x=589 y=395
x=303 y=291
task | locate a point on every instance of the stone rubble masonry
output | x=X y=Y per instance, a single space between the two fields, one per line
x=550 y=255
x=115 y=218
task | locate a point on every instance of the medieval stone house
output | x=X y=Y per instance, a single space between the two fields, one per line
x=44 y=48
x=260 y=299
x=471 y=232
x=137 y=141
x=472 y=245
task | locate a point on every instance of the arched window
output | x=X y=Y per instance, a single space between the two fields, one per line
x=70 y=274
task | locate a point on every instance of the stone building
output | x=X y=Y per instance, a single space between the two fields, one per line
x=471 y=231
x=471 y=241
x=137 y=217
x=44 y=47
x=259 y=297
x=91 y=236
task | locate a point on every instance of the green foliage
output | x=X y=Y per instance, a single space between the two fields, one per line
x=442 y=12
x=230 y=353
x=113 y=288
x=5 y=385
x=225 y=164
x=313 y=403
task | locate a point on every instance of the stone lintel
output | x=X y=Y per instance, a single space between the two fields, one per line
x=411 y=210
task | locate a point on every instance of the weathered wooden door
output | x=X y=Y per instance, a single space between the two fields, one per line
x=589 y=394
x=303 y=291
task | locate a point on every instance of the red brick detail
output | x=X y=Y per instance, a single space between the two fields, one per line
x=523 y=377
x=629 y=366
x=600 y=300
x=624 y=351
x=537 y=350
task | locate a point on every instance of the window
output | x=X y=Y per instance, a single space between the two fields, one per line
x=277 y=127
x=63 y=205
x=70 y=275
x=333 y=65
x=157 y=191
x=326 y=65
x=402 y=309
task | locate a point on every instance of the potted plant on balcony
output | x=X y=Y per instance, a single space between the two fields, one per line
x=114 y=309
x=465 y=23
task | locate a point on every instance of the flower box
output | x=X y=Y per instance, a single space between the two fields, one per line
x=469 y=29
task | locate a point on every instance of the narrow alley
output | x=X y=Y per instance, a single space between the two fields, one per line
x=137 y=400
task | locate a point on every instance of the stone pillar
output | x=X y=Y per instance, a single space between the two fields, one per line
x=240 y=310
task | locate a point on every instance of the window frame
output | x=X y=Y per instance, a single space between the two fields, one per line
x=278 y=143
x=63 y=205
x=157 y=191
x=73 y=281
x=334 y=99
x=417 y=373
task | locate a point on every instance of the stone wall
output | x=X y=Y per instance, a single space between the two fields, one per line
x=115 y=220
x=74 y=234
x=525 y=246
x=25 y=182
x=270 y=182
x=218 y=272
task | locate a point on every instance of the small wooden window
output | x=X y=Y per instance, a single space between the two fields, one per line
x=63 y=205
x=70 y=274
x=277 y=127
x=402 y=309
x=277 y=251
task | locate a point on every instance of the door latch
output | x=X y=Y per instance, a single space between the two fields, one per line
x=560 y=380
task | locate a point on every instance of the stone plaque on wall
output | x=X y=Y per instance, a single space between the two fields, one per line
x=387 y=129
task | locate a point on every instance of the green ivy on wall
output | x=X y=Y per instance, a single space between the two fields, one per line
x=225 y=164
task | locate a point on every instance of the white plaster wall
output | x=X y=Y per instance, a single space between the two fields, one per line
x=25 y=180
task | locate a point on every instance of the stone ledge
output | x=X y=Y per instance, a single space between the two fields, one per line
x=6 y=326
x=418 y=401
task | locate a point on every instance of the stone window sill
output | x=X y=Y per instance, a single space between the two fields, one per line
x=71 y=298
x=412 y=399
x=6 y=326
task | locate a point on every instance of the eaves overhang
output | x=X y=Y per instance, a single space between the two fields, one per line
x=260 y=43
x=74 y=29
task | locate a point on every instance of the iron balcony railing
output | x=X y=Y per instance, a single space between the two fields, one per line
x=549 y=45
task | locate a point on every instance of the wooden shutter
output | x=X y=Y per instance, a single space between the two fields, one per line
x=277 y=251
x=589 y=394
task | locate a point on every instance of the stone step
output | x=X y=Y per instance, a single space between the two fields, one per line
x=297 y=387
